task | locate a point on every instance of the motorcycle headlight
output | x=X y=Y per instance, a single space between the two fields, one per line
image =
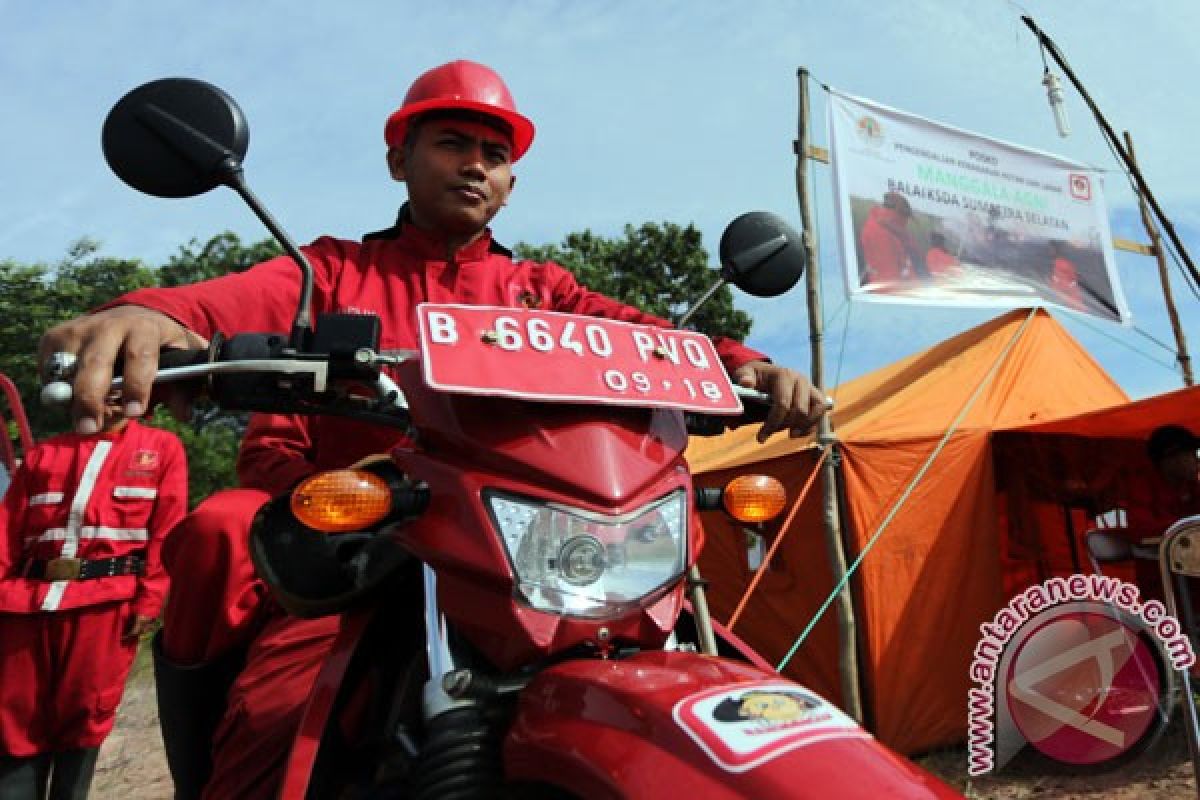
x=571 y=561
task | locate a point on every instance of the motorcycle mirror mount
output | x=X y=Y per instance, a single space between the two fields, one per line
x=760 y=254
x=182 y=137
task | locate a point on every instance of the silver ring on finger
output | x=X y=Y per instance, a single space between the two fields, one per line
x=60 y=366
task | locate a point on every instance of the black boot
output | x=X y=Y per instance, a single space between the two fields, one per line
x=191 y=702
x=72 y=774
x=24 y=778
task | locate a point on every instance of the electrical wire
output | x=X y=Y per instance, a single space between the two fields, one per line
x=1083 y=320
x=1163 y=240
x=1157 y=341
x=1115 y=147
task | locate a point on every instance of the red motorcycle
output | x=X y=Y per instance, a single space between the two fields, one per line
x=521 y=613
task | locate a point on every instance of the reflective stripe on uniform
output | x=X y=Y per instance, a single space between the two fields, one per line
x=146 y=492
x=93 y=532
x=71 y=535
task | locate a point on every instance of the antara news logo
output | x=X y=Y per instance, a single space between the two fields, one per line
x=1079 y=668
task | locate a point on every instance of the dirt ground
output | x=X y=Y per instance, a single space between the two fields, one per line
x=1164 y=773
x=132 y=765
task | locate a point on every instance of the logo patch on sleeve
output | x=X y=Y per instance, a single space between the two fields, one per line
x=743 y=726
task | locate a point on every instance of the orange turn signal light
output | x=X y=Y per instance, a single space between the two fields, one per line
x=754 y=498
x=342 y=500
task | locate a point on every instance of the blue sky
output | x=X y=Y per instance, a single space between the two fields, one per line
x=646 y=111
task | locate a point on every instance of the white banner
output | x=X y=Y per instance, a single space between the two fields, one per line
x=930 y=214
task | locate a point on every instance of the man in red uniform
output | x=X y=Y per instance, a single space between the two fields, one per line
x=1169 y=493
x=453 y=143
x=80 y=581
x=889 y=251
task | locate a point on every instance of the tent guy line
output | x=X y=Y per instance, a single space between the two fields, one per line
x=975 y=395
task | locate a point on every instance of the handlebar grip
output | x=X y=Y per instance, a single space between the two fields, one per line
x=169 y=359
x=755 y=405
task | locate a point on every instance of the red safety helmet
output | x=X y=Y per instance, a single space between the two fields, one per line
x=466 y=85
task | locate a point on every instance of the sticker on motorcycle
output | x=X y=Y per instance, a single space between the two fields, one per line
x=550 y=356
x=743 y=726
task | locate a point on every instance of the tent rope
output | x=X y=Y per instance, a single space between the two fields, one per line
x=783 y=532
x=908 y=491
x=837 y=375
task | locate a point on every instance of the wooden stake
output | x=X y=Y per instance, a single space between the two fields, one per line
x=1185 y=361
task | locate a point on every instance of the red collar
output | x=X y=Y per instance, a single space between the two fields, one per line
x=433 y=247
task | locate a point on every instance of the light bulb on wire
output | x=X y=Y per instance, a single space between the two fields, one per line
x=1054 y=94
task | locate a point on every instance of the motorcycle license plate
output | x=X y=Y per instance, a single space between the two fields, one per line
x=550 y=356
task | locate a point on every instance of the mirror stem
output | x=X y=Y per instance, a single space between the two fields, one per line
x=302 y=324
x=687 y=315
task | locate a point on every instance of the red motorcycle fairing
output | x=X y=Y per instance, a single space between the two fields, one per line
x=686 y=725
x=456 y=537
x=602 y=456
x=605 y=459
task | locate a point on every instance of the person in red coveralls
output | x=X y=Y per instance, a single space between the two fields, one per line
x=1064 y=277
x=453 y=143
x=1170 y=493
x=889 y=250
x=80 y=581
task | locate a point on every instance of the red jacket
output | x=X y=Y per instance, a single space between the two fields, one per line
x=387 y=277
x=92 y=497
x=887 y=247
x=1152 y=505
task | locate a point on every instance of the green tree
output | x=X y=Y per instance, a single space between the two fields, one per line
x=221 y=254
x=211 y=454
x=34 y=297
x=659 y=268
x=212 y=443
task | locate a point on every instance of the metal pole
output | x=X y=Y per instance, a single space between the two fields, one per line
x=704 y=629
x=847 y=636
x=1185 y=361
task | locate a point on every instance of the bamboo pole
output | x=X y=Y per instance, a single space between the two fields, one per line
x=847 y=632
x=1185 y=361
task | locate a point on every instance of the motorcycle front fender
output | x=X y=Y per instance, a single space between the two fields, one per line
x=696 y=726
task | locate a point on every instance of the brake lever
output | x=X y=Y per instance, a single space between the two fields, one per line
x=187 y=365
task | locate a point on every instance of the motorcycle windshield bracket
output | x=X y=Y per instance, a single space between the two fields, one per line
x=435 y=701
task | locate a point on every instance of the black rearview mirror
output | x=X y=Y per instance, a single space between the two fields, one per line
x=761 y=254
x=180 y=137
x=175 y=137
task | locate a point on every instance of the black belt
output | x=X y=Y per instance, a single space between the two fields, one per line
x=84 y=569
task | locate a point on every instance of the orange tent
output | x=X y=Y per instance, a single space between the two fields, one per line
x=917 y=465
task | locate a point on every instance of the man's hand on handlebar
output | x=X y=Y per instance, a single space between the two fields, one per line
x=132 y=335
x=796 y=404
